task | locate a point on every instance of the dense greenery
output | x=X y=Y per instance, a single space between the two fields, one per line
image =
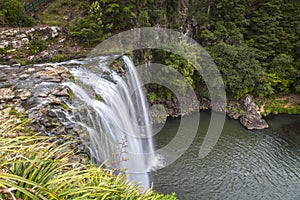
x=37 y=167
x=255 y=44
x=12 y=14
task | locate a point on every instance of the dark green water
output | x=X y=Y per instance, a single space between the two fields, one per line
x=243 y=164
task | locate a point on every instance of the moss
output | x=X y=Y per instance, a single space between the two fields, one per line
x=65 y=106
x=70 y=93
x=99 y=97
x=152 y=97
x=61 y=9
x=72 y=77
x=21 y=62
x=5 y=106
x=169 y=96
x=59 y=57
x=2 y=51
x=19 y=114
x=12 y=111
x=55 y=124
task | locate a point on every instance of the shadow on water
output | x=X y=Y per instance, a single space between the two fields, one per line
x=243 y=164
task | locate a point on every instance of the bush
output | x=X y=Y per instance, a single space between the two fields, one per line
x=36 y=46
x=241 y=70
x=13 y=14
x=277 y=106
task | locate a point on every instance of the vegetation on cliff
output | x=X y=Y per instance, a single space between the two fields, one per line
x=255 y=44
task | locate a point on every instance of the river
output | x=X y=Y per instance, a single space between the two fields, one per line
x=243 y=164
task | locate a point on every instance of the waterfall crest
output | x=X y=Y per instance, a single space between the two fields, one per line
x=112 y=108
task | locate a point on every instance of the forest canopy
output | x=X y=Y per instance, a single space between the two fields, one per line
x=255 y=43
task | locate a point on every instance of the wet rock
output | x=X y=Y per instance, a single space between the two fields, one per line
x=60 y=92
x=61 y=70
x=24 y=95
x=251 y=117
x=234 y=110
x=43 y=95
x=51 y=113
x=48 y=75
x=204 y=104
x=6 y=94
x=253 y=122
x=158 y=114
x=53 y=100
x=25 y=41
x=31 y=69
x=24 y=76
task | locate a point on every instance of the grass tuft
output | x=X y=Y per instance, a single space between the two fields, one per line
x=37 y=167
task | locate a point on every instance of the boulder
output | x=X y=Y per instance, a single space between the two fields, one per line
x=251 y=117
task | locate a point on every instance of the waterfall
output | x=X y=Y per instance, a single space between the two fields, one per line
x=111 y=107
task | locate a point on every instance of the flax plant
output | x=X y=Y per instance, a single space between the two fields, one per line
x=36 y=167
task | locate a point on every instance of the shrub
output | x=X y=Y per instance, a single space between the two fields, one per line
x=37 y=167
x=151 y=97
x=13 y=14
x=36 y=46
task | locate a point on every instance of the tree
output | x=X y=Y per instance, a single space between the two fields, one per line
x=240 y=69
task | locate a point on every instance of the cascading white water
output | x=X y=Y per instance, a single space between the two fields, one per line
x=113 y=110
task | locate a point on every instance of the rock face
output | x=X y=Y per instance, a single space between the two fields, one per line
x=35 y=44
x=251 y=117
x=36 y=92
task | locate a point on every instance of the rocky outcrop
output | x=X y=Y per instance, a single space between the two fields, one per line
x=36 y=92
x=251 y=117
x=36 y=44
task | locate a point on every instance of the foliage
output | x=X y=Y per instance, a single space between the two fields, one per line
x=87 y=31
x=280 y=106
x=255 y=44
x=12 y=111
x=37 y=167
x=108 y=17
x=182 y=66
x=152 y=97
x=36 y=46
x=58 y=57
x=12 y=13
x=240 y=69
